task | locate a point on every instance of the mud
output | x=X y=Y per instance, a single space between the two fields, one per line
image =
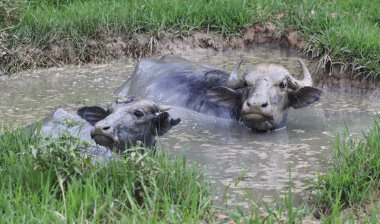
x=104 y=48
x=341 y=78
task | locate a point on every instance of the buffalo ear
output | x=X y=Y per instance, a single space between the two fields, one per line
x=224 y=96
x=304 y=96
x=164 y=123
x=93 y=114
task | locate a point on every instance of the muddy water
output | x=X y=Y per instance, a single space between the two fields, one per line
x=240 y=163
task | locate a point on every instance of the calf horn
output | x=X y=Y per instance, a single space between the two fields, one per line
x=306 y=80
x=164 y=108
x=234 y=81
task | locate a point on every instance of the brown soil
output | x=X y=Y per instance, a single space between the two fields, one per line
x=106 y=48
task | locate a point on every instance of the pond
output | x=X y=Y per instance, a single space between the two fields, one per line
x=239 y=162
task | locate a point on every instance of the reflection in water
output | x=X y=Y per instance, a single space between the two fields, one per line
x=228 y=151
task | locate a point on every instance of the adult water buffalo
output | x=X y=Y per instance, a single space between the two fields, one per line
x=260 y=98
x=128 y=122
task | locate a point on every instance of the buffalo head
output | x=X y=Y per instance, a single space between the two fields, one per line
x=264 y=94
x=128 y=122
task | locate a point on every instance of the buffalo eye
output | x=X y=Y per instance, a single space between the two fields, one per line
x=138 y=113
x=282 y=85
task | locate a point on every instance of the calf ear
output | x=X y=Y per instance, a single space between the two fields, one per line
x=224 y=96
x=93 y=114
x=164 y=123
x=304 y=96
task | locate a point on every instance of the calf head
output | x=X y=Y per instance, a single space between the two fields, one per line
x=128 y=122
x=264 y=94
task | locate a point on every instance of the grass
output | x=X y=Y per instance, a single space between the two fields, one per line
x=354 y=179
x=347 y=193
x=45 y=181
x=282 y=211
x=340 y=31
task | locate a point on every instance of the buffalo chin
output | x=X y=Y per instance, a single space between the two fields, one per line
x=261 y=126
x=118 y=146
x=263 y=123
x=104 y=140
x=260 y=123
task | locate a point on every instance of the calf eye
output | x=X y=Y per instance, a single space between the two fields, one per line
x=138 y=113
x=282 y=85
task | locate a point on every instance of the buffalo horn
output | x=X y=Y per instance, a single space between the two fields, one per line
x=305 y=81
x=164 y=108
x=234 y=81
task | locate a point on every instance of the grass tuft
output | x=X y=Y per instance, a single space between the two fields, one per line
x=354 y=178
x=44 y=180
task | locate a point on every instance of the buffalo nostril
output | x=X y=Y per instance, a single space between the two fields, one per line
x=248 y=104
x=106 y=128
x=264 y=104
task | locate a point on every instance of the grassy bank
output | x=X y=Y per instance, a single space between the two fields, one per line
x=43 y=181
x=337 y=31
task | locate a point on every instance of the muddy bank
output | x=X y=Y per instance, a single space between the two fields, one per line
x=104 y=48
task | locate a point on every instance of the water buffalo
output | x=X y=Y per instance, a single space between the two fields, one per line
x=128 y=122
x=260 y=98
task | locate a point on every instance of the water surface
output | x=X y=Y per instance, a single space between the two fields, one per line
x=238 y=161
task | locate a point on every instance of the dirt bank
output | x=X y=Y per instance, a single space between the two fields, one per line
x=105 y=48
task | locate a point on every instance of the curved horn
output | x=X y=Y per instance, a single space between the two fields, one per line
x=164 y=108
x=234 y=81
x=305 y=81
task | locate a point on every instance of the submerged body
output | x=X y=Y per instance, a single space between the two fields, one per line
x=63 y=121
x=176 y=81
x=128 y=122
x=260 y=98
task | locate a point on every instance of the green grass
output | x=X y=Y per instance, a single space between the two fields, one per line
x=282 y=211
x=353 y=181
x=45 y=181
x=345 y=32
x=348 y=192
x=53 y=181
